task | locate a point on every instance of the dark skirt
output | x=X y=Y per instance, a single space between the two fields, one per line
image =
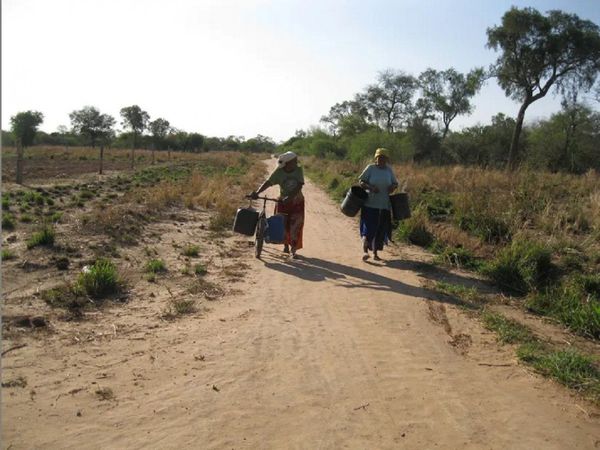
x=376 y=226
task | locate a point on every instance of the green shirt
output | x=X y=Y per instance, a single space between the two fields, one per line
x=288 y=181
x=383 y=178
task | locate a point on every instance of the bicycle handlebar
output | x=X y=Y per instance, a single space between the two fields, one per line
x=262 y=198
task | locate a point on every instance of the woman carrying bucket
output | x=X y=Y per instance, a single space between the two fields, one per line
x=375 y=217
x=290 y=178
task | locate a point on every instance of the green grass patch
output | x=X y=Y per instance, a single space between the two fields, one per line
x=100 y=280
x=200 y=269
x=521 y=267
x=508 y=331
x=459 y=257
x=7 y=254
x=156 y=266
x=467 y=294
x=8 y=222
x=45 y=237
x=569 y=367
x=415 y=230
x=575 y=303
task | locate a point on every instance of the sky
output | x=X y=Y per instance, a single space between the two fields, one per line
x=243 y=67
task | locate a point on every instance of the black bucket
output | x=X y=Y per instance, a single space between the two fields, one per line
x=354 y=200
x=245 y=221
x=400 y=207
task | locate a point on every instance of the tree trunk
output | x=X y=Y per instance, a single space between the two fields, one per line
x=514 y=145
x=101 y=158
x=19 y=177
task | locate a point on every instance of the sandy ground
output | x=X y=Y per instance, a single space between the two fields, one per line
x=323 y=352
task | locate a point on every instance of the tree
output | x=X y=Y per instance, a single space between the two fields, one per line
x=449 y=92
x=135 y=119
x=24 y=126
x=347 y=118
x=159 y=129
x=389 y=101
x=539 y=52
x=89 y=123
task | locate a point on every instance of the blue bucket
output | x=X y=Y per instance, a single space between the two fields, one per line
x=275 y=233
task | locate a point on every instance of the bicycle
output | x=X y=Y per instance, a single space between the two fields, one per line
x=261 y=225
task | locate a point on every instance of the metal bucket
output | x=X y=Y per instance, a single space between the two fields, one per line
x=354 y=200
x=400 y=206
x=245 y=221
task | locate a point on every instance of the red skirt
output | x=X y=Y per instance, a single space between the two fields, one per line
x=294 y=223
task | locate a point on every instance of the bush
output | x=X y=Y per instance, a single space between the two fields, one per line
x=45 y=236
x=576 y=303
x=522 y=267
x=8 y=222
x=100 y=280
x=488 y=228
x=191 y=251
x=414 y=230
x=155 y=266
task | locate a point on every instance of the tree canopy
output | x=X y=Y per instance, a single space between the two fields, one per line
x=24 y=125
x=136 y=119
x=90 y=123
x=538 y=52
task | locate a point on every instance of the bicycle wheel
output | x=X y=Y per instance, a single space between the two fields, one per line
x=260 y=236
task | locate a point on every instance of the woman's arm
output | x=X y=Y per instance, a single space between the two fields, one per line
x=267 y=184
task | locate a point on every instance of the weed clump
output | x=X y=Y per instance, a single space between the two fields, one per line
x=522 y=267
x=576 y=303
x=100 y=280
x=8 y=222
x=45 y=237
x=156 y=266
x=179 y=307
x=191 y=251
x=415 y=231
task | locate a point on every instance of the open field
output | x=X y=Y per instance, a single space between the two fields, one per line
x=133 y=318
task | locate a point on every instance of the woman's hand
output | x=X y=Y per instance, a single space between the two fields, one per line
x=392 y=188
x=374 y=188
x=253 y=195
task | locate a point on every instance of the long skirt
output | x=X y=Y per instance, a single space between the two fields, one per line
x=376 y=226
x=294 y=223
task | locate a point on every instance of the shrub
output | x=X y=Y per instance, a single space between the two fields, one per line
x=45 y=236
x=156 y=266
x=489 y=228
x=522 y=267
x=100 y=280
x=200 y=269
x=8 y=222
x=191 y=251
x=459 y=257
x=576 y=303
x=414 y=230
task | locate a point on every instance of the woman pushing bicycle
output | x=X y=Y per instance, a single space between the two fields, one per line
x=290 y=178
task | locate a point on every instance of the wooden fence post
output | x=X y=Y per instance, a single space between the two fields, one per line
x=101 y=158
x=19 y=177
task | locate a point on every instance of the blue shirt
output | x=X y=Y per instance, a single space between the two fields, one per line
x=383 y=178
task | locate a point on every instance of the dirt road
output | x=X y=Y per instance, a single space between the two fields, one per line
x=323 y=352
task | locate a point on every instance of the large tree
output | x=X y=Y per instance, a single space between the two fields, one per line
x=449 y=92
x=390 y=101
x=159 y=129
x=136 y=119
x=24 y=126
x=539 y=52
x=89 y=123
x=347 y=118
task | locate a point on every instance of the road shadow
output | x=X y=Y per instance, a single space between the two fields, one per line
x=316 y=269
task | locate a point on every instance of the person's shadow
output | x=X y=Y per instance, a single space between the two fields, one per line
x=316 y=269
